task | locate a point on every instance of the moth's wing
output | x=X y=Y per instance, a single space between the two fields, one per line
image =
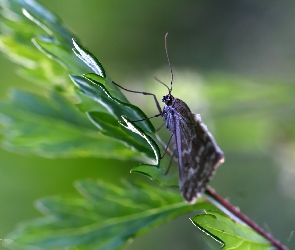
x=213 y=153
x=198 y=157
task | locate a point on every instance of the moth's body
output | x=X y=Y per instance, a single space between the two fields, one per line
x=198 y=154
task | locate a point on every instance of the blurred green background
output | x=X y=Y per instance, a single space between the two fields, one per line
x=234 y=64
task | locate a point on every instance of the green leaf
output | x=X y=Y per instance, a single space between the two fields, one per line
x=57 y=44
x=60 y=53
x=111 y=127
x=47 y=21
x=232 y=234
x=27 y=121
x=105 y=218
x=112 y=89
x=88 y=59
x=137 y=130
x=99 y=93
x=17 y=32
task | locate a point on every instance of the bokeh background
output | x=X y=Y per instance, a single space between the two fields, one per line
x=234 y=63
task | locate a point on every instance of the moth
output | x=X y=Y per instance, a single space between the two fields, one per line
x=194 y=146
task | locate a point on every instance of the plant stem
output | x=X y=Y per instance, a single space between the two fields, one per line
x=236 y=215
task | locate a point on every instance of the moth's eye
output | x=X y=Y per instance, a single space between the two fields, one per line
x=167 y=99
x=164 y=99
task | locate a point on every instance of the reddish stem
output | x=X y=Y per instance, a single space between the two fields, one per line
x=236 y=215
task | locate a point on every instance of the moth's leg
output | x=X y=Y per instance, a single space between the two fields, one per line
x=154 y=116
x=143 y=93
x=167 y=146
x=158 y=129
x=170 y=163
x=164 y=145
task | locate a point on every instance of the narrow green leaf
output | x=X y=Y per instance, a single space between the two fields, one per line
x=88 y=59
x=27 y=128
x=57 y=45
x=47 y=21
x=87 y=104
x=136 y=129
x=17 y=32
x=105 y=218
x=111 y=127
x=232 y=234
x=117 y=108
x=112 y=89
x=60 y=53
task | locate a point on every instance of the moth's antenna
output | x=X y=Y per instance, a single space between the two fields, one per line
x=170 y=90
x=161 y=83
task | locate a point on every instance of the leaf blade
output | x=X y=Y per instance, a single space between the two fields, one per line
x=232 y=234
x=132 y=215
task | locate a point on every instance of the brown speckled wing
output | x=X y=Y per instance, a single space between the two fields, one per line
x=197 y=152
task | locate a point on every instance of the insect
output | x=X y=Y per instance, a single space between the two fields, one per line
x=194 y=146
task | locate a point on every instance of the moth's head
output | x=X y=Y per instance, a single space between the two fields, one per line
x=168 y=99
